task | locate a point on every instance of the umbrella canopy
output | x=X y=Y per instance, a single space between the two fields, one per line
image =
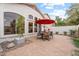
x=45 y=21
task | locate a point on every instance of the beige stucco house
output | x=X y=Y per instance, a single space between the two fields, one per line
x=11 y=12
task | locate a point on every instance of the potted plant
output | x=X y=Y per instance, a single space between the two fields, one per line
x=20 y=30
x=65 y=33
x=57 y=32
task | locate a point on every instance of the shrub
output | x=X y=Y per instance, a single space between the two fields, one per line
x=76 y=42
x=57 y=32
x=72 y=32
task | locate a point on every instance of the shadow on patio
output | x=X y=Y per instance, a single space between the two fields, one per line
x=58 y=46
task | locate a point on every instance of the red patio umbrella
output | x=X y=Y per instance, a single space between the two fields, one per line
x=45 y=21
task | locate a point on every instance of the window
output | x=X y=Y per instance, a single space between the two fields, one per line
x=13 y=23
x=30 y=17
x=30 y=27
x=9 y=27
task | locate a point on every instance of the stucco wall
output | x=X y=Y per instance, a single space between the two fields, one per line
x=62 y=29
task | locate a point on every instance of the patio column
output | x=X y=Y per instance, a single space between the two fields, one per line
x=39 y=28
x=1 y=21
x=26 y=26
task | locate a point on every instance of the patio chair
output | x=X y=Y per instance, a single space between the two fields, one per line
x=51 y=34
x=46 y=36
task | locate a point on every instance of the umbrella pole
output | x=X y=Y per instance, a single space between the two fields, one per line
x=39 y=28
x=44 y=27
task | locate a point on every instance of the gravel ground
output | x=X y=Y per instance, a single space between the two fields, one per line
x=58 y=46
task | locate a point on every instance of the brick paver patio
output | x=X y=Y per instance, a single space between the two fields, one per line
x=58 y=46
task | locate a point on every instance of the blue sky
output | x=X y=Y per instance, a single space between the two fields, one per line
x=54 y=9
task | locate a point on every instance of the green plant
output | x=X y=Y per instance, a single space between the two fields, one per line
x=73 y=14
x=20 y=25
x=60 y=22
x=76 y=42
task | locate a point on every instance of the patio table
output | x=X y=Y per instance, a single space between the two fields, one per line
x=45 y=36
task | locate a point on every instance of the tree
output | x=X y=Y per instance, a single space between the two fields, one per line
x=20 y=25
x=73 y=14
x=60 y=22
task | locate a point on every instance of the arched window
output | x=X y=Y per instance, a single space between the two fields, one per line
x=13 y=23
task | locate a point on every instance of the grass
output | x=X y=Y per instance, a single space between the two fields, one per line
x=76 y=42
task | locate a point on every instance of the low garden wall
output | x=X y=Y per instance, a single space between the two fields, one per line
x=62 y=29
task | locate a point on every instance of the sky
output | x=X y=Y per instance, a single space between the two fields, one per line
x=54 y=9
